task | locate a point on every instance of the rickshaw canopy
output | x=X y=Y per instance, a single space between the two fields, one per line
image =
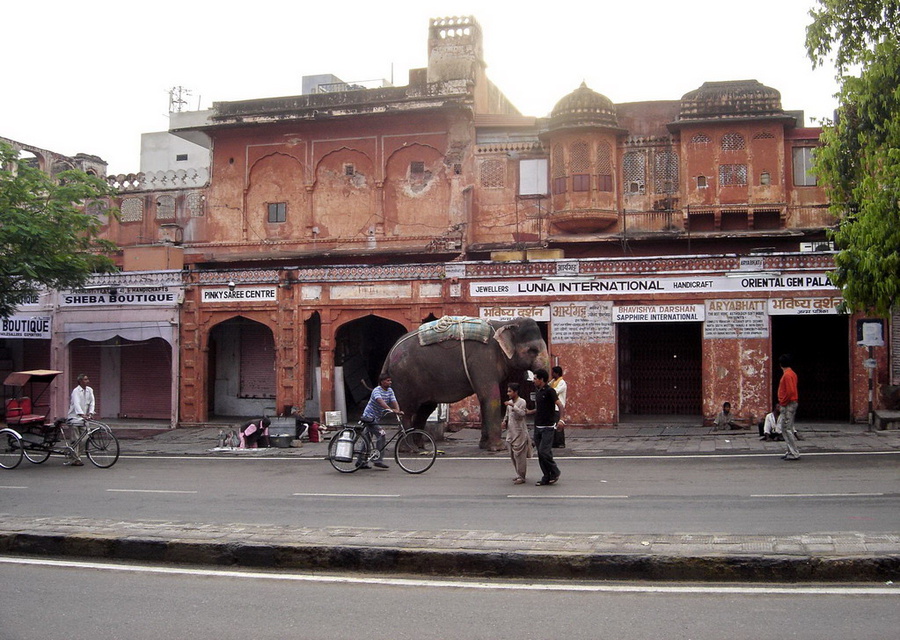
x=21 y=378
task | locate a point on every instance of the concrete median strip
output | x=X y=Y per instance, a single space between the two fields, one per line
x=846 y=557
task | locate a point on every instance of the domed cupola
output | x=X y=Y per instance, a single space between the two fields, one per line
x=736 y=99
x=584 y=107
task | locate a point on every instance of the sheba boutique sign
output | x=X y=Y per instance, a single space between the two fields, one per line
x=602 y=286
x=114 y=296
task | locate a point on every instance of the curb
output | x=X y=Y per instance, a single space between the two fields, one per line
x=211 y=545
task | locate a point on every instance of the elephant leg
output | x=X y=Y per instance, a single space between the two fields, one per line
x=491 y=418
x=420 y=420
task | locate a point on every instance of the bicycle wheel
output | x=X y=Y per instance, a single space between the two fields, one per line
x=37 y=456
x=10 y=449
x=415 y=451
x=348 y=451
x=102 y=448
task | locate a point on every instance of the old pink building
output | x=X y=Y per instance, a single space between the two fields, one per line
x=671 y=250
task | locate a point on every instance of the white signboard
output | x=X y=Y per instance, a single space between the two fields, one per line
x=32 y=327
x=539 y=313
x=603 y=286
x=155 y=296
x=454 y=270
x=733 y=319
x=239 y=294
x=582 y=322
x=751 y=263
x=658 y=313
x=370 y=291
x=804 y=306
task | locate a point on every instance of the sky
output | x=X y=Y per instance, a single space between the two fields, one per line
x=91 y=77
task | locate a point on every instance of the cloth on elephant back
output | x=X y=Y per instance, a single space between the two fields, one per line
x=455 y=328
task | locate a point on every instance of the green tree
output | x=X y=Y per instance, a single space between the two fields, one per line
x=859 y=162
x=46 y=238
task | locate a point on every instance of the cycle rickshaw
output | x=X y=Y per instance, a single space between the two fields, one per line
x=29 y=434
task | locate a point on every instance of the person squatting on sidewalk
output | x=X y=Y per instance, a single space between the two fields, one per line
x=255 y=434
x=771 y=426
x=546 y=403
x=788 y=399
x=517 y=432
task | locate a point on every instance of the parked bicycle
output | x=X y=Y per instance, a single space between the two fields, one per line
x=38 y=442
x=352 y=448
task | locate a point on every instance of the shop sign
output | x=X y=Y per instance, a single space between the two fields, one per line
x=804 y=306
x=32 y=327
x=611 y=286
x=658 y=313
x=736 y=318
x=239 y=294
x=155 y=296
x=370 y=291
x=538 y=313
x=582 y=322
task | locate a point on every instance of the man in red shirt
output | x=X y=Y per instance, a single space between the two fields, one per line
x=787 y=400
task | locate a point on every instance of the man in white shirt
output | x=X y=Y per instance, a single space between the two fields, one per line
x=81 y=408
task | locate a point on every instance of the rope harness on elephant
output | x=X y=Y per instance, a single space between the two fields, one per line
x=451 y=328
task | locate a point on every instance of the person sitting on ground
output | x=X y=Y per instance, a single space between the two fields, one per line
x=772 y=425
x=725 y=419
x=255 y=434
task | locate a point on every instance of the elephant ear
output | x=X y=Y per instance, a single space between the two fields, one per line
x=506 y=336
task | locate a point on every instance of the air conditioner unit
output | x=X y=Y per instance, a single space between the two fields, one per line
x=809 y=247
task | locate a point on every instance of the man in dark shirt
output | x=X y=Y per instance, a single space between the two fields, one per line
x=546 y=403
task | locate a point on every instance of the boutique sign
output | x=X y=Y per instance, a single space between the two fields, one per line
x=155 y=296
x=32 y=327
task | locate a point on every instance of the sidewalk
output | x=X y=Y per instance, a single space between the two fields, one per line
x=631 y=439
x=819 y=557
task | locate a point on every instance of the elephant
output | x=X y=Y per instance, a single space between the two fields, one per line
x=445 y=371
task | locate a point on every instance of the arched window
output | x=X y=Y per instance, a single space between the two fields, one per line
x=634 y=172
x=732 y=142
x=700 y=140
x=604 y=167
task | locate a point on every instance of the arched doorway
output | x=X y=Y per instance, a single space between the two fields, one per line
x=361 y=347
x=241 y=369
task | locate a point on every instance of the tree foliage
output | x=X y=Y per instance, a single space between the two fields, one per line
x=859 y=162
x=46 y=237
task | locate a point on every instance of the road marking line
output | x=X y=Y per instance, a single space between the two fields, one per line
x=815 y=495
x=148 y=491
x=462 y=584
x=567 y=497
x=12 y=487
x=347 y=495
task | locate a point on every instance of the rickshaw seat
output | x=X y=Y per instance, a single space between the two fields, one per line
x=19 y=412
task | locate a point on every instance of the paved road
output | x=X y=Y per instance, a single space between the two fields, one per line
x=665 y=495
x=139 y=602
x=828 y=517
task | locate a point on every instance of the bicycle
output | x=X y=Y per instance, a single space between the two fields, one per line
x=352 y=448
x=37 y=442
